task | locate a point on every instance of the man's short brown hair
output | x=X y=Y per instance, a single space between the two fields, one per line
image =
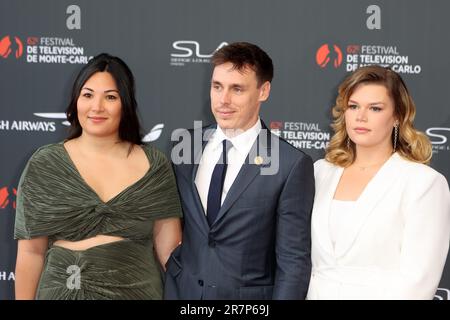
x=243 y=55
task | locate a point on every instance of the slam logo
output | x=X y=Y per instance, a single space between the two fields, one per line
x=189 y=51
x=11 y=46
x=438 y=138
x=328 y=55
x=8 y=197
x=442 y=294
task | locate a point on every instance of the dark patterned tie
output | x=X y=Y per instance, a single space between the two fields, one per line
x=216 y=185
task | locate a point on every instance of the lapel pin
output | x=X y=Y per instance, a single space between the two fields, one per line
x=258 y=160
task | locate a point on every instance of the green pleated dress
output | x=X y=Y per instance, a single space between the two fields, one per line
x=53 y=200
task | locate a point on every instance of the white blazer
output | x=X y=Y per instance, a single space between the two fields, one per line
x=400 y=241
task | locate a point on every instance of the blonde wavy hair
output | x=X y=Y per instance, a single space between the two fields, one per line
x=411 y=143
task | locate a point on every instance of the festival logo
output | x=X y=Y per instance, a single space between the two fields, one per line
x=329 y=55
x=11 y=46
x=302 y=135
x=359 y=55
x=8 y=197
x=54 y=50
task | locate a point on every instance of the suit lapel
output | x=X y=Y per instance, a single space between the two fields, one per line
x=196 y=156
x=249 y=170
x=322 y=207
x=372 y=194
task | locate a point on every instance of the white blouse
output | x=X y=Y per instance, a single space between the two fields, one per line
x=341 y=216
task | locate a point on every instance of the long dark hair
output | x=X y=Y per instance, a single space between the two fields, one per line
x=129 y=127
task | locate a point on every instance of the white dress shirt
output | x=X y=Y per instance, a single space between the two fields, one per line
x=236 y=157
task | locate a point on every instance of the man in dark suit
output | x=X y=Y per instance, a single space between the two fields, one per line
x=247 y=195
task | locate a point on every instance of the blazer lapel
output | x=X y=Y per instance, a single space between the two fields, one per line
x=322 y=207
x=372 y=194
x=249 y=170
x=196 y=156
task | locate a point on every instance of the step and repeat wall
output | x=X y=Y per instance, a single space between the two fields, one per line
x=168 y=45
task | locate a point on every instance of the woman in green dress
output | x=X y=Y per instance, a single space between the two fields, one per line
x=97 y=214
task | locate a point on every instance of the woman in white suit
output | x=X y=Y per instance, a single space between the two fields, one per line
x=381 y=216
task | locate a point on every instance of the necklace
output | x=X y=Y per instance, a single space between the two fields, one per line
x=364 y=168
